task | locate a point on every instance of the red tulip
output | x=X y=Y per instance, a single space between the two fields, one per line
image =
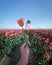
x=47 y=41
x=43 y=38
x=50 y=43
x=11 y=35
x=47 y=56
x=15 y=33
x=20 y=21
x=6 y=33
x=50 y=48
x=45 y=48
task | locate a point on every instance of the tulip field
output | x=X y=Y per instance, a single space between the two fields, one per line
x=40 y=44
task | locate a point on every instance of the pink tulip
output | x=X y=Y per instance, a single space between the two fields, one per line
x=50 y=43
x=6 y=33
x=50 y=48
x=47 y=56
x=47 y=41
x=45 y=48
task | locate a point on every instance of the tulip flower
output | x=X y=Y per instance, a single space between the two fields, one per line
x=50 y=43
x=47 y=56
x=45 y=48
x=50 y=48
x=20 y=22
x=47 y=41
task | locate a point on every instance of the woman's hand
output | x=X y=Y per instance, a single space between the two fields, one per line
x=24 y=54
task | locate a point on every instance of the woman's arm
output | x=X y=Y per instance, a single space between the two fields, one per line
x=24 y=55
x=22 y=62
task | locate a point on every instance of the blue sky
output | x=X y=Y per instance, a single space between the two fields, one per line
x=38 y=11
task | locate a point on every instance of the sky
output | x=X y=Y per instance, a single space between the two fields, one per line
x=39 y=12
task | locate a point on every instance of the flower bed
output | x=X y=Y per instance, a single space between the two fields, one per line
x=40 y=46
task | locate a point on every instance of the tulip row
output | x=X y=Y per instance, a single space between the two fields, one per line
x=11 y=33
x=43 y=44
